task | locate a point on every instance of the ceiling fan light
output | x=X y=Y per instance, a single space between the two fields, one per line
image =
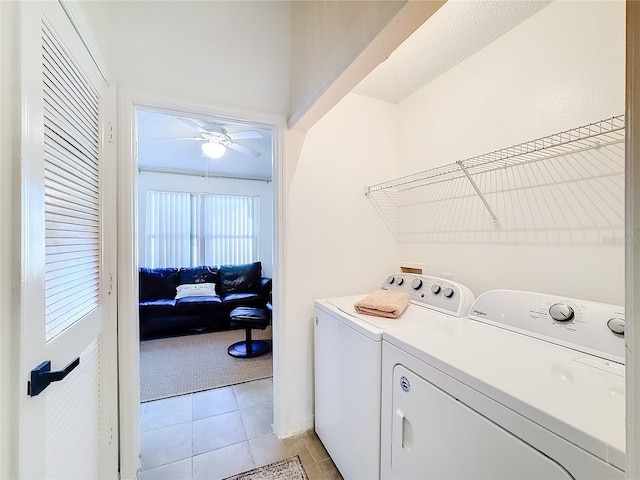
x=213 y=149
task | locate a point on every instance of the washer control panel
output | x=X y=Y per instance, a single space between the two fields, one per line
x=433 y=292
x=590 y=327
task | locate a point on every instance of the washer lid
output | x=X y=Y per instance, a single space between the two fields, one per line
x=371 y=326
x=579 y=397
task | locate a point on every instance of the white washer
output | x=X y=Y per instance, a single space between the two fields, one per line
x=348 y=362
x=528 y=386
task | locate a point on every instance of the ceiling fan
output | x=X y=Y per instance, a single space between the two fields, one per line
x=216 y=139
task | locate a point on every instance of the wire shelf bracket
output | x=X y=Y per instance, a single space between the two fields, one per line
x=475 y=187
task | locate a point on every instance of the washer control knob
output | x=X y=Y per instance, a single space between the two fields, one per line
x=616 y=325
x=435 y=289
x=561 y=312
x=390 y=280
x=400 y=281
x=448 y=292
x=416 y=284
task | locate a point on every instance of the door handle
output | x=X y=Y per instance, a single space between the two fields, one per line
x=404 y=431
x=42 y=376
x=400 y=419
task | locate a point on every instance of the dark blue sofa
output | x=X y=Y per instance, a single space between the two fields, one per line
x=162 y=315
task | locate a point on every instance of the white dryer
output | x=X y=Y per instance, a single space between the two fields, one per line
x=528 y=386
x=348 y=362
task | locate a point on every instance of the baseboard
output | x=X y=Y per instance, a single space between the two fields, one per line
x=298 y=428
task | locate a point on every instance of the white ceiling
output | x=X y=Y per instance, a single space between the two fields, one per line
x=163 y=145
x=456 y=31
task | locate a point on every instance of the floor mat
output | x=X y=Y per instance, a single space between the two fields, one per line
x=289 y=469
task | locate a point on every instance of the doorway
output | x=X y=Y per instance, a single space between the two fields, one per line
x=131 y=103
x=203 y=217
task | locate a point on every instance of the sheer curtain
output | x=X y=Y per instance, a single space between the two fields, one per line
x=190 y=229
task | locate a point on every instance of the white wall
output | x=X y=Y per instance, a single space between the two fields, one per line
x=326 y=37
x=336 y=243
x=225 y=52
x=224 y=186
x=562 y=68
x=334 y=45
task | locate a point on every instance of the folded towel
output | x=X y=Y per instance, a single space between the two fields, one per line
x=383 y=303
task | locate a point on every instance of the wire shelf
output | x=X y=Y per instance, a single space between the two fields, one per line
x=564 y=188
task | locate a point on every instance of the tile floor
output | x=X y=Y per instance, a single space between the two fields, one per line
x=217 y=433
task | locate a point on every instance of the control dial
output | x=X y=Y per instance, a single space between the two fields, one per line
x=448 y=292
x=416 y=284
x=400 y=281
x=616 y=325
x=390 y=280
x=435 y=289
x=561 y=312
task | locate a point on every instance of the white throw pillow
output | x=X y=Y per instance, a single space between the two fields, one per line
x=196 y=290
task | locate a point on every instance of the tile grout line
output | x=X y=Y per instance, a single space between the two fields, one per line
x=244 y=428
x=239 y=410
x=191 y=458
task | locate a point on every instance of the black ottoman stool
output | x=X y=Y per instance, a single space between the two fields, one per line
x=248 y=318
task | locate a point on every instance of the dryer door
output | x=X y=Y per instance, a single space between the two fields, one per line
x=435 y=436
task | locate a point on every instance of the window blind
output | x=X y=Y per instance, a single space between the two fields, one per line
x=230 y=229
x=190 y=229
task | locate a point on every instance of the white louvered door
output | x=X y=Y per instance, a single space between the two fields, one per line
x=65 y=291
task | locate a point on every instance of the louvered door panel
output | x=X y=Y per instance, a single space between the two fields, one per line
x=68 y=236
x=72 y=195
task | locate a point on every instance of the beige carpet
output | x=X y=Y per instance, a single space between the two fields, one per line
x=192 y=363
x=289 y=469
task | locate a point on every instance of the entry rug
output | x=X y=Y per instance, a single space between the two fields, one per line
x=289 y=469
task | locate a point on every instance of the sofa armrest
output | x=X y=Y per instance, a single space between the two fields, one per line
x=157 y=283
x=265 y=288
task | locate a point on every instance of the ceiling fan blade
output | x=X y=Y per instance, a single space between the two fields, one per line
x=247 y=134
x=193 y=124
x=246 y=150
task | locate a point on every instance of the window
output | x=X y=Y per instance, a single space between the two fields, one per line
x=190 y=229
